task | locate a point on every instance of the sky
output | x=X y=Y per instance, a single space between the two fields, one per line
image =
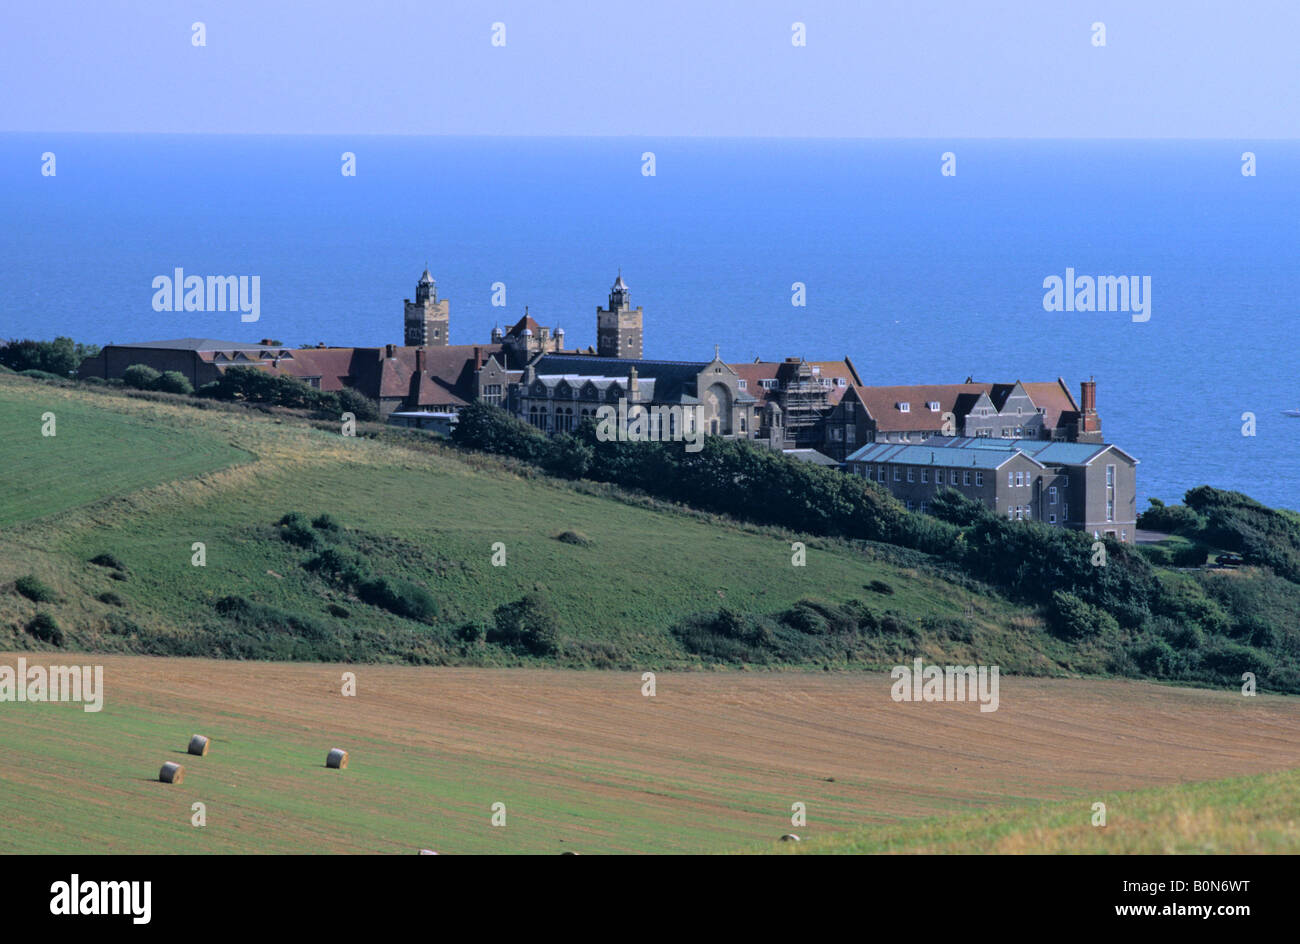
x=699 y=68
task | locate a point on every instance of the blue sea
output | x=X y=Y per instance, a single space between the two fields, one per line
x=916 y=276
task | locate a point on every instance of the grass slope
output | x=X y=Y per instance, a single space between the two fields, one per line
x=1243 y=815
x=95 y=453
x=430 y=516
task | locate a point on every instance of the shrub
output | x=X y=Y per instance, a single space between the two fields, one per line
x=141 y=377
x=173 y=381
x=341 y=612
x=339 y=565
x=325 y=522
x=574 y=537
x=1170 y=519
x=46 y=628
x=879 y=586
x=40 y=375
x=295 y=530
x=1072 y=618
x=58 y=358
x=472 y=632
x=358 y=404
x=111 y=598
x=529 y=625
x=400 y=597
x=35 y=589
x=108 y=560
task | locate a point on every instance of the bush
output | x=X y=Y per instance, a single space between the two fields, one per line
x=108 y=560
x=325 y=522
x=58 y=358
x=400 y=597
x=879 y=586
x=341 y=612
x=1170 y=519
x=173 y=381
x=46 y=628
x=111 y=598
x=35 y=589
x=141 y=377
x=1072 y=618
x=358 y=404
x=574 y=537
x=339 y=565
x=528 y=625
x=473 y=632
x=40 y=375
x=295 y=530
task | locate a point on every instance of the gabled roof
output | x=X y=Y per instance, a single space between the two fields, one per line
x=755 y=372
x=934 y=454
x=674 y=381
x=883 y=404
x=992 y=452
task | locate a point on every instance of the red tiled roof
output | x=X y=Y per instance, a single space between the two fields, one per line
x=755 y=372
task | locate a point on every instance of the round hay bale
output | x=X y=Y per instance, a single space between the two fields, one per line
x=789 y=837
x=172 y=773
x=337 y=758
x=199 y=746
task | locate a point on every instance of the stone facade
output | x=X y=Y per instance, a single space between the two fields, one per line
x=427 y=321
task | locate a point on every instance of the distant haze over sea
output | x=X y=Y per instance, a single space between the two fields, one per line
x=916 y=276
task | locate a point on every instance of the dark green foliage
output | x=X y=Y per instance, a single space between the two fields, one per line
x=35 y=589
x=252 y=385
x=45 y=627
x=59 y=357
x=295 y=530
x=341 y=612
x=325 y=522
x=173 y=381
x=141 y=377
x=1072 y=618
x=952 y=506
x=111 y=598
x=339 y=566
x=108 y=560
x=1170 y=519
x=529 y=625
x=400 y=597
x=472 y=632
x=574 y=537
x=39 y=375
x=356 y=403
x=879 y=586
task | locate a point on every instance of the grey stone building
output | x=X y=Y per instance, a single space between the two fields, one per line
x=1089 y=487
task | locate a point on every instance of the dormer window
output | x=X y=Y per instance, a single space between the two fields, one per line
x=841 y=382
x=768 y=384
x=934 y=406
x=744 y=384
x=905 y=407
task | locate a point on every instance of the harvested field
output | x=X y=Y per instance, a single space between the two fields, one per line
x=581 y=759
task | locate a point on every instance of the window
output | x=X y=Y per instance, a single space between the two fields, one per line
x=979 y=478
x=837 y=434
x=744 y=384
x=848 y=409
x=905 y=407
x=1110 y=476
x=841 y=382
x=965 y=478
x=1020 y=512
x=1051 y=519
x=1020 y=432
x=850 y=434
x=1011 y=513
x=909 y=504
x=1123 y=534
x=1051 y=496
x=882 y=473
x=898 y=475
x=1029 y=511
x=1006 y=432
x=743 y=427
x=1011 y=478
x=1019 y=479
x=925 y=506
x=1110 y=509
x=909 y=473
x=938 y=476
x=767 y=384
x=934 y=406
x=925 y=476
x=492 y=394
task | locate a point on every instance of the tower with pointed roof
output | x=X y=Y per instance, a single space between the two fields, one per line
x=428 y=319
x=619 y=327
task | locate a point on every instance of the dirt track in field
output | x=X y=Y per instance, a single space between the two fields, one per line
x=730 y=744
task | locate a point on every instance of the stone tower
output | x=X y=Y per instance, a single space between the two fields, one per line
x=618 y=328
x=428 y=320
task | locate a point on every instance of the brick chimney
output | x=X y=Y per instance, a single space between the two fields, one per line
x=478 y=356
x=419 y=360
x=1089 y=421
x=390 y=351
x=633 y=393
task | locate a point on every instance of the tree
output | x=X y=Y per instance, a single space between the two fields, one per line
x=61 y=356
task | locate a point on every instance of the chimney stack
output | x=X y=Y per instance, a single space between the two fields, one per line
x=1088 y=398
x=632 y=396
x=419 y=360
x=1089 y=421
x=390 y=351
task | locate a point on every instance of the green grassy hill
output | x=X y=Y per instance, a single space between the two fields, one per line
x=142 y=481
x=1243 y=815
